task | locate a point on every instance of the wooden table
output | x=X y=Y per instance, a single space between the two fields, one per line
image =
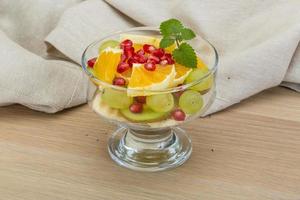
x=250 y=151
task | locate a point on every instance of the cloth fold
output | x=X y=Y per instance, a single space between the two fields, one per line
x=44 y=85
x=257 y=42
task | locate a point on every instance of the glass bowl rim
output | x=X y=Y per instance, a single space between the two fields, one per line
x=167 y=90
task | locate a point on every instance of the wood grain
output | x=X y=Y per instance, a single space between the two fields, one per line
x=249 y=151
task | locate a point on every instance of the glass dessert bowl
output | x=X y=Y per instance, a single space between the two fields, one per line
x=148 y=104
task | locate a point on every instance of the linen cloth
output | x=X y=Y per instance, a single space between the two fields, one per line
x=41 y=43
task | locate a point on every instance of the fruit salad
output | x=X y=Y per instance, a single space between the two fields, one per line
x=153 y=80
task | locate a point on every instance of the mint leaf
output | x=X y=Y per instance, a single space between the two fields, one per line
x=187 y=34
x=173 y=31
x=185 y=55
x=170 y=27
x=179 y=37
x=166 y=42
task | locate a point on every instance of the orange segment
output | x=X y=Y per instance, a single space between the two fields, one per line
x=142 y=79
x=126 y=75
x=106 y=65
x=137 y=46
x=171 y=48
x=181 y=70
x=201 y=64
x=156 y=42
x=181 y=73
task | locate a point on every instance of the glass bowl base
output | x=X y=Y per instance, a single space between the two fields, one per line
x=149 y=151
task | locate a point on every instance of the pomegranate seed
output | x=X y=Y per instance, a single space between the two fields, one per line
x=122 y=67
x=150 y=66
x=136 y=108
x=164 y=57
x=126 y=44
x=169 y=58
x=123 y=58
x=148 y=48
x=142 y=59
x=141 y=99
x=135 y=57
x=168 y=55
x=91 y=62
x=140 y=52
x=130 y=61
x=163 y=62
x=171 y=61
x=178 y=115
x=129 y=52
x=153 y=59
x=119 y=81
x=158 y=52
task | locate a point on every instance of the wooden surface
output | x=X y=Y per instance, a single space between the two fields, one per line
x=250 y=151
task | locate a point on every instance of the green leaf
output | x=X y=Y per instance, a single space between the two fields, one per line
x=166 y=42
x=187 y=34
x=185 y=55
x=179 y=37
x=170 y=27
x=173 y=31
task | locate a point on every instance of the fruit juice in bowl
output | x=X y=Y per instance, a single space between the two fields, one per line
x=148 y=83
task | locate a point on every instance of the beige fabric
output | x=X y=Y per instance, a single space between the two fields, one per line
x=26 y=76
x=256 y=41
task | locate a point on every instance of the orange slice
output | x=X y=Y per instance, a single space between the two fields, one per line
x=126 y=75
x=137 y=46
x=142 y=79
x=201 y=64
x=106 y=64
x=170 y=49
x=181 y=73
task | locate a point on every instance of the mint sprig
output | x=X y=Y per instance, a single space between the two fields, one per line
x=172 y=31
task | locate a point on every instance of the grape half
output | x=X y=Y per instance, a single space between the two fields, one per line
x=109 y=43
x=197 y=74
x=147 y=115
x=160 y=102
x=116 y=99
x=191 y=101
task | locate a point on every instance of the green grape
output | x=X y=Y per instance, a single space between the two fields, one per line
x=116 y=99
x=160 y=102
x=109 y=43
x=147 y=115
x=191 y=101
x=197 y=74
